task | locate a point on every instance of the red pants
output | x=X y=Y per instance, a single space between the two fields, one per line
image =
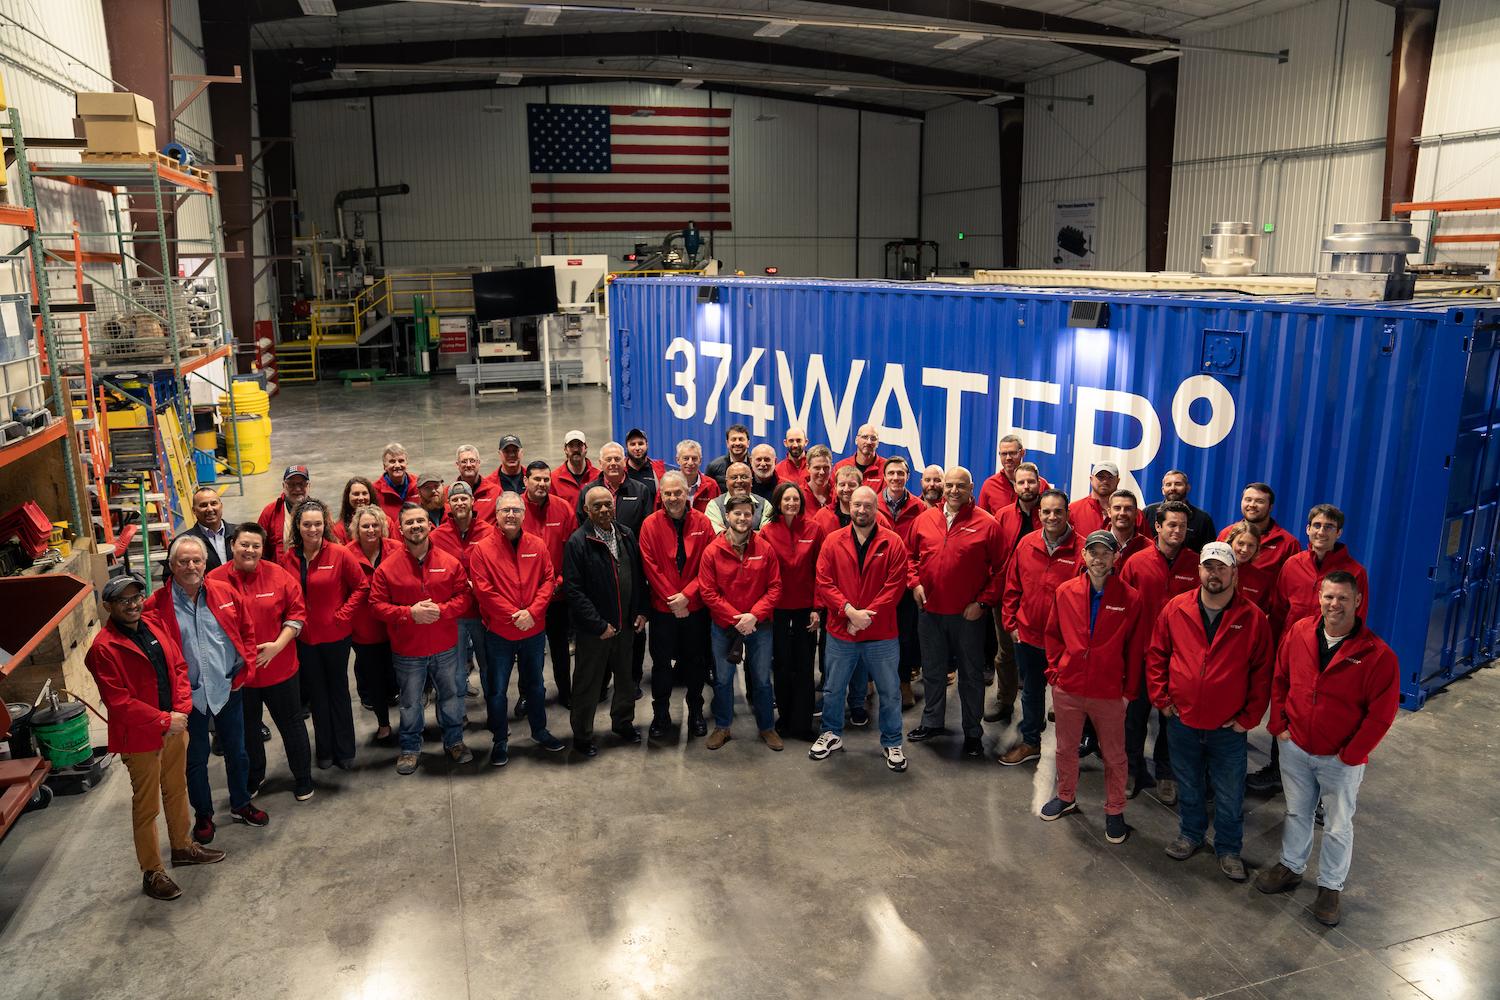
x=1108 y=716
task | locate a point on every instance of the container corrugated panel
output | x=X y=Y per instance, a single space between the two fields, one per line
x=1388 y=410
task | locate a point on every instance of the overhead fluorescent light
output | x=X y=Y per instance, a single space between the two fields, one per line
x=344 y=74
x=687 y=83
x=542 y=17
x=774 y=29
x=318 y=8
x=832 y=91
x=994 y=99
x=642 y=113
x=509 y=79
x=961 y=41
x=1156 y=57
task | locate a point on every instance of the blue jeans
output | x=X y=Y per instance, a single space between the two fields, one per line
x=229 y=723
x=1304 y=780
x=412 y=674
x=1203 y=757
x=470 y=643
x=882 y=659
x=500 y=655
x=1031 y=664
x=757 y=676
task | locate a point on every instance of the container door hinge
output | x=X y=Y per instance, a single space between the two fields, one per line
x=1388 y=338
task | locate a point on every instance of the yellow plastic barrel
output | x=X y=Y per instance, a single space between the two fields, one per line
x=206 y=440
x=248 y=432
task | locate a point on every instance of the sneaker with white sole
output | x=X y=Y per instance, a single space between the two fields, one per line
x=1057 y=809
x=825 y=744
x=895 y=758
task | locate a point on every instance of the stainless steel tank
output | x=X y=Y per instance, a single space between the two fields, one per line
x=1229 y=249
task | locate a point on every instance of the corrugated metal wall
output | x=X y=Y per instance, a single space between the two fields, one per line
x=961 y=183
x=1077 y=152
x=1460 y=98
x=793 y=175
x=1233 y=112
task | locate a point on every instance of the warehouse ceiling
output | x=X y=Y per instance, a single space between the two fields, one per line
x=900 y=55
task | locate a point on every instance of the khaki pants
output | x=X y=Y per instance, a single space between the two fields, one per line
x=1007 y=680
x=158 y=781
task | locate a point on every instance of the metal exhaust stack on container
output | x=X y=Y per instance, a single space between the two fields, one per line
x=1367 y=261
x=1229 y=249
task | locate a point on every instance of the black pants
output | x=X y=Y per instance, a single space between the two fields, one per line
x=325 y=682
x=1137 y=715
x=284 y=702
x=638 y=657
x=953 y=639
x=792 y=649
x=375 y=678
x=600 y=660
x=559 y=627
x=909 y=637
x=679 y=653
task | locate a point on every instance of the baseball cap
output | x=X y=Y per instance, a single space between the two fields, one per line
x=115 y=586
x=429 y=477
x=1102 y=538
x=572 y=436
x=1109 y=467
x=458 y=489
x=635 y=432
x=509 y=441
x=295 y=470
x=1217 y=550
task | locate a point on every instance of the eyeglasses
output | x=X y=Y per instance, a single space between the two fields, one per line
x=131 y=601
x=512 y=510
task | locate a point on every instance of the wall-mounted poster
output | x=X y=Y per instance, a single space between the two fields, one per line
x=1075 y=225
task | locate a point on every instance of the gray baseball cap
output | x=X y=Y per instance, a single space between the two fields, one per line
x=116 y=586
x=1106 y=538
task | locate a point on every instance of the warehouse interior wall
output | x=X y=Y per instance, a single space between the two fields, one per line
x=961 y=184
x=815 y=190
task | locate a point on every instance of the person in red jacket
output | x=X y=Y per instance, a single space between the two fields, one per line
x=639 y=465
x=1043 y=560
x=358 y=492
x=739 y=579
x=513 y=581
x=1253 y=582
x=1334 y=695
x=396 y=485
x=1125 y=525
x=898 y=509
x=1276 y=543
x=204 y=618
x=999 y=491
x=569 y=478
x=143 y=682
x=374 y=674
x=1091 y=513
x=672 y=542
x=460 y=531
x=1096 y=636
x=817 y=485
x=831 y=518
x=419 y=594
x=793 y=468
x=862 y=572
x=275 y=517
x=932 y=486
x=958 y=567
x=509 y=475
x=553 y=522
x=1208 y=670
x=1158 y=574
x=273 y=600
x=701 y=488
x=333 y=586
x=1014 y=523
x=796 y=539
x=871 y=467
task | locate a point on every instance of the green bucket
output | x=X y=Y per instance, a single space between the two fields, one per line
x=62 y=733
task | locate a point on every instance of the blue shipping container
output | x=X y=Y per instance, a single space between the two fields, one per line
x=1388 y=410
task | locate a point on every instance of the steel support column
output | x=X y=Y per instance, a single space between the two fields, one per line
x=1411 y=64
x=140 y=55
x=226 y=48
x=1012 y=134
x=1161 y=132
x=273 y=101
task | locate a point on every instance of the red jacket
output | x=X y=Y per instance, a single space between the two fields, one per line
x=273 y=519
x=1138 y=543
x=1157 y=581
x=1086 y=515
x=658 y=542
x=1102 y=660
x=272 y=597
x=391 y=500
x=1295 y=595
x=1211 y=686
x=445 y=536
x=874 y=473
x=566 y=486
x=877 y=587
x=1258 y=585
x=509 y=577
x=903 y=522
x=707 y=490
x=127 y=686
x=400 y=581
x=333 y=587
x=810 y=503
x=366 y=628
x=1031 y=579
x=797 y=549
x=1276 y=546
x=828 y=518
x=999 y=493
x=1344 y=709
x=553 y=524
x=486 y=492
x=732 y=585
x=224 y=602
x=1010 y=522
x=958 y=564
x=792 y=472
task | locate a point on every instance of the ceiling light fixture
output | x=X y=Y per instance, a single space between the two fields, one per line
x=832 y=91
x=774 y=29
x=957 y=42
x=344 y=74
x=318 y=8
x=1156 y=57
x=994 y=99
x=688 y=84
x=542 y=17
x=509 y=79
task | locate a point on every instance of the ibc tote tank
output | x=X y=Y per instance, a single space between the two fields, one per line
x=1388 y=410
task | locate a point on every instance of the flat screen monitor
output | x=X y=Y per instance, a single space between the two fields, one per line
x=521 y=291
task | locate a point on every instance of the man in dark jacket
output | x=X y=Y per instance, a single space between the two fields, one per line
x=607 y=601
x=209 y=526
x=634 y=502
x=1175 y=486
x=737 y=441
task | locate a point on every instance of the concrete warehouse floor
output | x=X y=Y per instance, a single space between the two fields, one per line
x=666 y=871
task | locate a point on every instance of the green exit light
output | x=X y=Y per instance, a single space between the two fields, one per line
x=960 y=235
x=1269 y=227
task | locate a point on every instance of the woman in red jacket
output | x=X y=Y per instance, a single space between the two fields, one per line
x=273 y=600
x=1255 y=582
x=374 y=672
x=333 y=587
x=357 y=493
x=797 y=539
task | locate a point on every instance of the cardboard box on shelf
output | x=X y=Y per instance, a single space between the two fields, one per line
x=130 y=107
x=110 y=135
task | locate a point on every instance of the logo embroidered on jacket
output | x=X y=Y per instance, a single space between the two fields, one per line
x=1232 y=625
x=1191 y=579
x=229 y=605
x=1111 y=607
x=753 y=558
x=266 y=595
x=528 y=555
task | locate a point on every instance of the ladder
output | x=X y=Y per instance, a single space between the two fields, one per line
x=296 y=362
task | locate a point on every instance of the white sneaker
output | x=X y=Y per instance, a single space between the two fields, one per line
x=895 y=758
x=825 y=744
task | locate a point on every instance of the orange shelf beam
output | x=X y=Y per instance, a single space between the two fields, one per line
x=17 y=215
x=216 y=354
x=1467 y=238
x=1456 y=205
x=32 y=442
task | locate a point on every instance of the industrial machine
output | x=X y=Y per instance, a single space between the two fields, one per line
x=910 y=259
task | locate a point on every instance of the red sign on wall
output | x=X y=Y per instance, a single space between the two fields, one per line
x=453 y=335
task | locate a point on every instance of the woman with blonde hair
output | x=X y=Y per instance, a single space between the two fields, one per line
x=374 y=672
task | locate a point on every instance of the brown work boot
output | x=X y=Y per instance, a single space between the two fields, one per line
x=158 y=885
x=459 y=753
x=196 y=854
x=1277 y=878
x=1326 y=907
x=717 y=738
x=952 y=677
x=908 y=699
x=772 y=739
x=1020 y=754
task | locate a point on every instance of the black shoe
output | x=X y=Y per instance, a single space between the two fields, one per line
x=697 y=725
x=566 y=704
x=661 y=727
x=1087 y=747
x=1266 y=781
x=499 y=755
x=324 y=763
x=859 y=717
x=631 y=735
x=925 y=733
x=203 y=829
x=520 y=710
x=586 y=747
x=637 y=692
x=973 y=747
x=218 y=750
x=265 y=733
x=306 y=714
x=604 y=694
x=1318 y=815
x=549 y=742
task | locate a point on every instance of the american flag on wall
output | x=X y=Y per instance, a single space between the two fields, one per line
x=598 y=168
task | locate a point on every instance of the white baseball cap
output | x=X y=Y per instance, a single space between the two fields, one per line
x=1217 y=550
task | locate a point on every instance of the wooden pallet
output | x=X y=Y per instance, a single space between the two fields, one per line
x=154 y=159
